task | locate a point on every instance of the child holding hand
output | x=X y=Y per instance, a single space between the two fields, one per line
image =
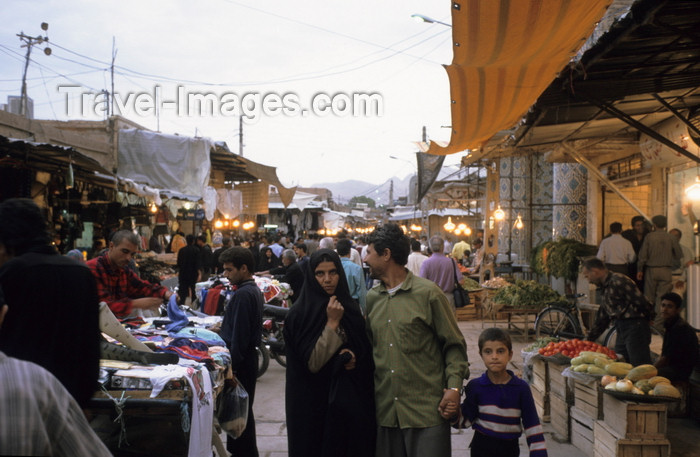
x=499 y=405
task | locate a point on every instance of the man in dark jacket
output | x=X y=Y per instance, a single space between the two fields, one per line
x=679 y=353
x=205 y=256
x=53 y=315
x=189 y=263
x=241 y=329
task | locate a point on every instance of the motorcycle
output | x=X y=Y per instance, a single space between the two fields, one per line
x=272 y=336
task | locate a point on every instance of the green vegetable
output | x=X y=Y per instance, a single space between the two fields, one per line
x=528 y=295
x=470 y=284
x=541 y=342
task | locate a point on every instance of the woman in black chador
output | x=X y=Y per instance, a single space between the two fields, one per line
x=329 y=391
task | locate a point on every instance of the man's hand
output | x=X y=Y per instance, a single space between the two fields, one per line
x=449 y=403
x=351 y=364
x=334 y=311
x=147 y=302
x=640 y=276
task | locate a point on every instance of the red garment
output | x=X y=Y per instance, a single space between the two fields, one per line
x=211 y=303
x=119 y=287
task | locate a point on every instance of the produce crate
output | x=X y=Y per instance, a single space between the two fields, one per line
x=581 y=429
x=589 y=399
x=607 y=444
x=560 y=385
x=468 y=313
x=635 y=420
x=695 y=400
x=540 y=375
x=560 y=418
x=541 y=403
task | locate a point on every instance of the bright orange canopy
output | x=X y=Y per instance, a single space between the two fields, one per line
x=506 y=53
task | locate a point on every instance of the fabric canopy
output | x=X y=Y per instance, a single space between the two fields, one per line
x=505 y=55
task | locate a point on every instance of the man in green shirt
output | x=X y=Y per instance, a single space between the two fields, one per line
x=419 y=353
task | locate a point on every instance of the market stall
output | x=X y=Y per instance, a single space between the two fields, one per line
x=165 y=410
x=602 y=406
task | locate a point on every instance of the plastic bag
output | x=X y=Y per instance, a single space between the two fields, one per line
x=233 y=410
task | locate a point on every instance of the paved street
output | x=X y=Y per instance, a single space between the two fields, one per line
x=270 y=418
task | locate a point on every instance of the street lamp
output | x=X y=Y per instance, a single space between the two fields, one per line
x=422 y=18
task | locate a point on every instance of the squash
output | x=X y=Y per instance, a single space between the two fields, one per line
x=658 y=380
x=643 y=385
x=666 y=390
x=602 y=362
x=577 y=361
x=618 y=368
x=642 y=372
x=592 y=369
x=590 y=357
x=583 y=368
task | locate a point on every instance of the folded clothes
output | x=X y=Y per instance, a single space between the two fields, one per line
x=176 y=315
x=209 y=337
x=189 y=349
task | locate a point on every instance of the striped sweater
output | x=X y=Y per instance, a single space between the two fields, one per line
x=504 y=411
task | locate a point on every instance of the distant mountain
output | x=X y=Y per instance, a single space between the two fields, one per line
x=344 y=191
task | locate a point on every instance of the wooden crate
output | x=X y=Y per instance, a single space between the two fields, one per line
x=589 y=399
x=560 y=385
x=635 y=420
x=560 y=418
x=607 y=444
x=467 y=313
x=581 y=429
x=694 y=400
x=541 y=403
x=540 y=375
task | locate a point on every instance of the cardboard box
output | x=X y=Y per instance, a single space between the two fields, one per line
x=607 y=444
x=635 y=420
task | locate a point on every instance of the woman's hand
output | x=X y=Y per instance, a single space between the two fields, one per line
x=351 y=364
x=334 y=311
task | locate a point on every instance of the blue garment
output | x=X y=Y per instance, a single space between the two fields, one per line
x=209 y=337
x=356 y=281
x=503 y=411
x=176 y=315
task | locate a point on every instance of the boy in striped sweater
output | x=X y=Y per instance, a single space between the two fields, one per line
x=499 y=405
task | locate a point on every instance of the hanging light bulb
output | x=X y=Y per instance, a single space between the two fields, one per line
x=468 y=231
x=218 y=224
x=70 y=182
x=499 y=214
x=449 y=225
x=462 y=227
x=693 y=191
x=519 y=223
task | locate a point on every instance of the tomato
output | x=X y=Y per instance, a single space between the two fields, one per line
x=541 y=351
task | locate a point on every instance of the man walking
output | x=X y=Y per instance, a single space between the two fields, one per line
x=659 y=256
x=415 y=258
x=189 y=264
x=617 y=252
x=419 y=352
x=441 y=269
x=353 y=272
x=241 y=329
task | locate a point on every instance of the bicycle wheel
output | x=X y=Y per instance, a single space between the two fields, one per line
x=554 y=321
x=657 y=340
x=263 y=360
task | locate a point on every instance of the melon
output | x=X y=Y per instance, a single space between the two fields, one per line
x=618 y=368
x=642 y=372
x=666 y=390
x=658 y=380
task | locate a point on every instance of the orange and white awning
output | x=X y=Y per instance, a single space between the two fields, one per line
x=506 y=53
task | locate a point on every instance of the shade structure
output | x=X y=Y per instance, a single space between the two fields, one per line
x=506 y=53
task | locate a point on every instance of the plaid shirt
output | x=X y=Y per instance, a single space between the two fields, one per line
x=118 y=287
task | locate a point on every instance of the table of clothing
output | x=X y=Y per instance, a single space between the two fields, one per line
x=165 y=410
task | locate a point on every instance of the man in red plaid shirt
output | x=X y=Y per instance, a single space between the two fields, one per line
x=118 y=285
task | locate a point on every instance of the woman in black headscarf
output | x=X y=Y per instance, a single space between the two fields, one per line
x=268 y=260
x=329 y=391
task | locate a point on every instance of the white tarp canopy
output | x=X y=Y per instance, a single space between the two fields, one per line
x=172 y=162
x=302 y=199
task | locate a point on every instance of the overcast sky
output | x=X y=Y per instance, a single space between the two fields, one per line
x=236 y=48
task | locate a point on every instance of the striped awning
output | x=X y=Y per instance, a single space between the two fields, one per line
x=506 y=53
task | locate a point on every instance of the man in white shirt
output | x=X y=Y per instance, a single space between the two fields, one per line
x=616 y=251
x=415 y=258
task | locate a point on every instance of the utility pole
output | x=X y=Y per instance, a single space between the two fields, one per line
x=29 y=42
x=391 y=192
x=114 y=56
x=240 y=135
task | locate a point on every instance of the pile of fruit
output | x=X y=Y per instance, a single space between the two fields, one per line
x=574 y=348
x=640 y=380
x=540 y=343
